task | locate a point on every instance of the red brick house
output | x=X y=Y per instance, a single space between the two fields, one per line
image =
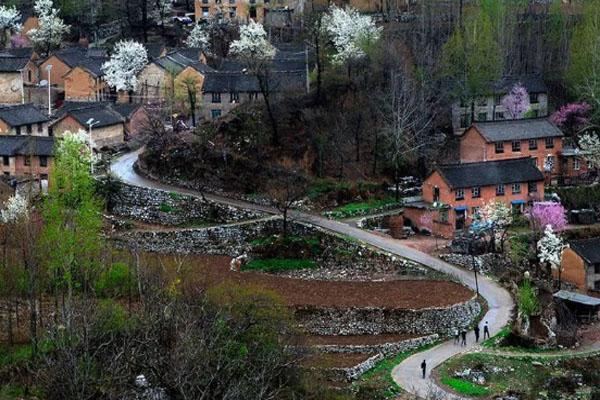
x=581 y=264
x=26 y=156
x=452 y=194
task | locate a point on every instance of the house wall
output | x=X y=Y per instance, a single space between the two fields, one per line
x=242 y=8
x=35 y=169
x=29 y=24
x=9 y=130
x=30 y=74
x=136 y=124
x=153 y=81
x=568 y=166
x=11 y=88
x=437 y=227
x=473 y=146
x=80 y=85
x=225 y=106
x=574 y=270
x=104 y=136
x=57 y=75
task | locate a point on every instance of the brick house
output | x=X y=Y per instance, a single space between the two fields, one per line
x=17 y=70
x=490 y=108
x=135 y=117
x=581 y=264
x=23 y=119
x=109 y=125
x=500 y=140
x=26 y=156
x=85 y=82
x=453 y=194
x=237 y=10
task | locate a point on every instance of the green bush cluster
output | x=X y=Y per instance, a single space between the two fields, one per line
x=466 y=387
x=115 y=281
x=361 y=208
x=275 y=265
x=579 y=197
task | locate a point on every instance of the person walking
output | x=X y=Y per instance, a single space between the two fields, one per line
x=486 y=331
x=476 y=330
x=424 y=368
x=456 y=336
x=463 y=335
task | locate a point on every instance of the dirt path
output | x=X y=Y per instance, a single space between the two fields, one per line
x=408 y=373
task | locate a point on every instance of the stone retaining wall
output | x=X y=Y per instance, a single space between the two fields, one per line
x=486 y=263
x=386 y=349
x=157 y=206
x=374 y=321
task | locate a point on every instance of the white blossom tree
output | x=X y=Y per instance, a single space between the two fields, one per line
x=162 y=12
x=350 y=32
x=10 y=23
x=16 y=209
x=198 y=39
x=126 y=62
x=551 y=247
x=256 y=53
x=498 y=217
x=590 y=146
x=51 y=28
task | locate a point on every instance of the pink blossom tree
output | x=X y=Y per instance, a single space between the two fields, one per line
x=516 y=102
x=547 y=213
x=426 y=221
x=572 y=117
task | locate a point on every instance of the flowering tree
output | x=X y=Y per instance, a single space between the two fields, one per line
x=426 y=221
x=16 y=208
x=199 y=39
x=10 y=22
x=51 y=29
x=551 y=247
x=127 y=61
x=590 y=147
x=516 y=102
x=572 y=117
x=162 y=11
x=547 y=213
x=256 y=53
x=350 y=32
x=498 y=218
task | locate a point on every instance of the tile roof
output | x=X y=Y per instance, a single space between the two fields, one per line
x=179 y=60
x=577 y=298
x=22 y=114
x=224 y=82
x=80 y=56
x=588 y=249
x=517 y=129
x=154 y=50
x=26 y=145
x=126 y=109
x=10 y=63
x=84 y=111
x=532 y=82
x=490 y=173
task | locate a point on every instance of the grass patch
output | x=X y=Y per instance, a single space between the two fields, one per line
x=14 y=355
x=361 y=208
x=465 y=387
x=166 y=208
x=495 y=340
x=175 y=196
x=278 y=264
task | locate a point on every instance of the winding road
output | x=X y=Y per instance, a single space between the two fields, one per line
x=408 y=373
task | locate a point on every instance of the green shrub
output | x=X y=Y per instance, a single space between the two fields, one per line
x=164 y=207
x=579 y=197
x=275 y=264
x=466 y=387
x=116 y=281
x=175 y=196
x=111 y=317
x=527 y=299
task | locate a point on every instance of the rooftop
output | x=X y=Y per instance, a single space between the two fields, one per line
x=80 y=56
x=22 y=114
x=533 y=83
x=26 y=145
x=82 y=112
x=490 y=173
x=577 y=298
x=588 y=249
x=224 y=82
x=517 y=129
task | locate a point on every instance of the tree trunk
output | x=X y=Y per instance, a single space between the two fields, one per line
x=285 y=212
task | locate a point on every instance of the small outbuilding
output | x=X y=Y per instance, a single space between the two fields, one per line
x=585 y=307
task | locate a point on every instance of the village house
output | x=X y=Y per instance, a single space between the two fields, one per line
x=581 y=264
x=499 y=140
x=135 y=116
x=85 y=83
x=26 y=156
x=490 y=108
x=23 y=120
x=107 y=125
x=167 y=75
x=453 y=194
x=242 y=10
x=17 y=69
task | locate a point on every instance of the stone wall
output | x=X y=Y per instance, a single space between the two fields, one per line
x=374 y=321
x=386 y=349
x=165 y=208
x=489 y=263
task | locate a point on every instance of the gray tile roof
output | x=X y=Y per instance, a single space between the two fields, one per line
x=588 y=249
x=176 y=61
x=84 y=111
x=74 y=56
x=22 y=114
x=490 y=173
x=533 y=83
x=26 y=145
x=224 y=82
x=10 y=63
x=518 y=129
x=577 y=298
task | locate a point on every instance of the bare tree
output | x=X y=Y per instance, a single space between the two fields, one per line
x=286 y=190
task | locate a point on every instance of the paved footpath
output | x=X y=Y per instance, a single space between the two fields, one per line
x=408 y=373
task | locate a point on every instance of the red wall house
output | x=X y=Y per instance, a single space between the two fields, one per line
x=453 y=194
x=500 y=140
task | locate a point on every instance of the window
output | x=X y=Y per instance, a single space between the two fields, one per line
x=549 y=165
x=5 y=160
x=232 y=12
x=475 y=211
x=50 y=131
x=532 y=144
x=499 y=115
x=44 y=177
x=597 y=268
x=29 y=129
x=29 y=76
x=549 y=143
x=234 y=97
x=476 y=192
x=43 y=161
x=40 y=128
x=516 y=188
x=516 y=145
x=6 y=173
x=532 y=187
x=497 y=100
x=499 y=147
x=460 y=194
x=216 y=97
x=231 y=2
x=500 y=190
x=27 y=161
x=215 y=114
x=204 y=1
x=205 y=12
x=436 y=194
x=534 y=98
x=18 y=130
x=597 y=285
x=482 y=101
x=482 y=117
x=465 y=120
x=252 y=96
x=443 y=215
x=576 y=164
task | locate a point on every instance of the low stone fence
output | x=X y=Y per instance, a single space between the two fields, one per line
x=157 y=206
x=375 y=321
x=386 y=349
x=485 y=263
